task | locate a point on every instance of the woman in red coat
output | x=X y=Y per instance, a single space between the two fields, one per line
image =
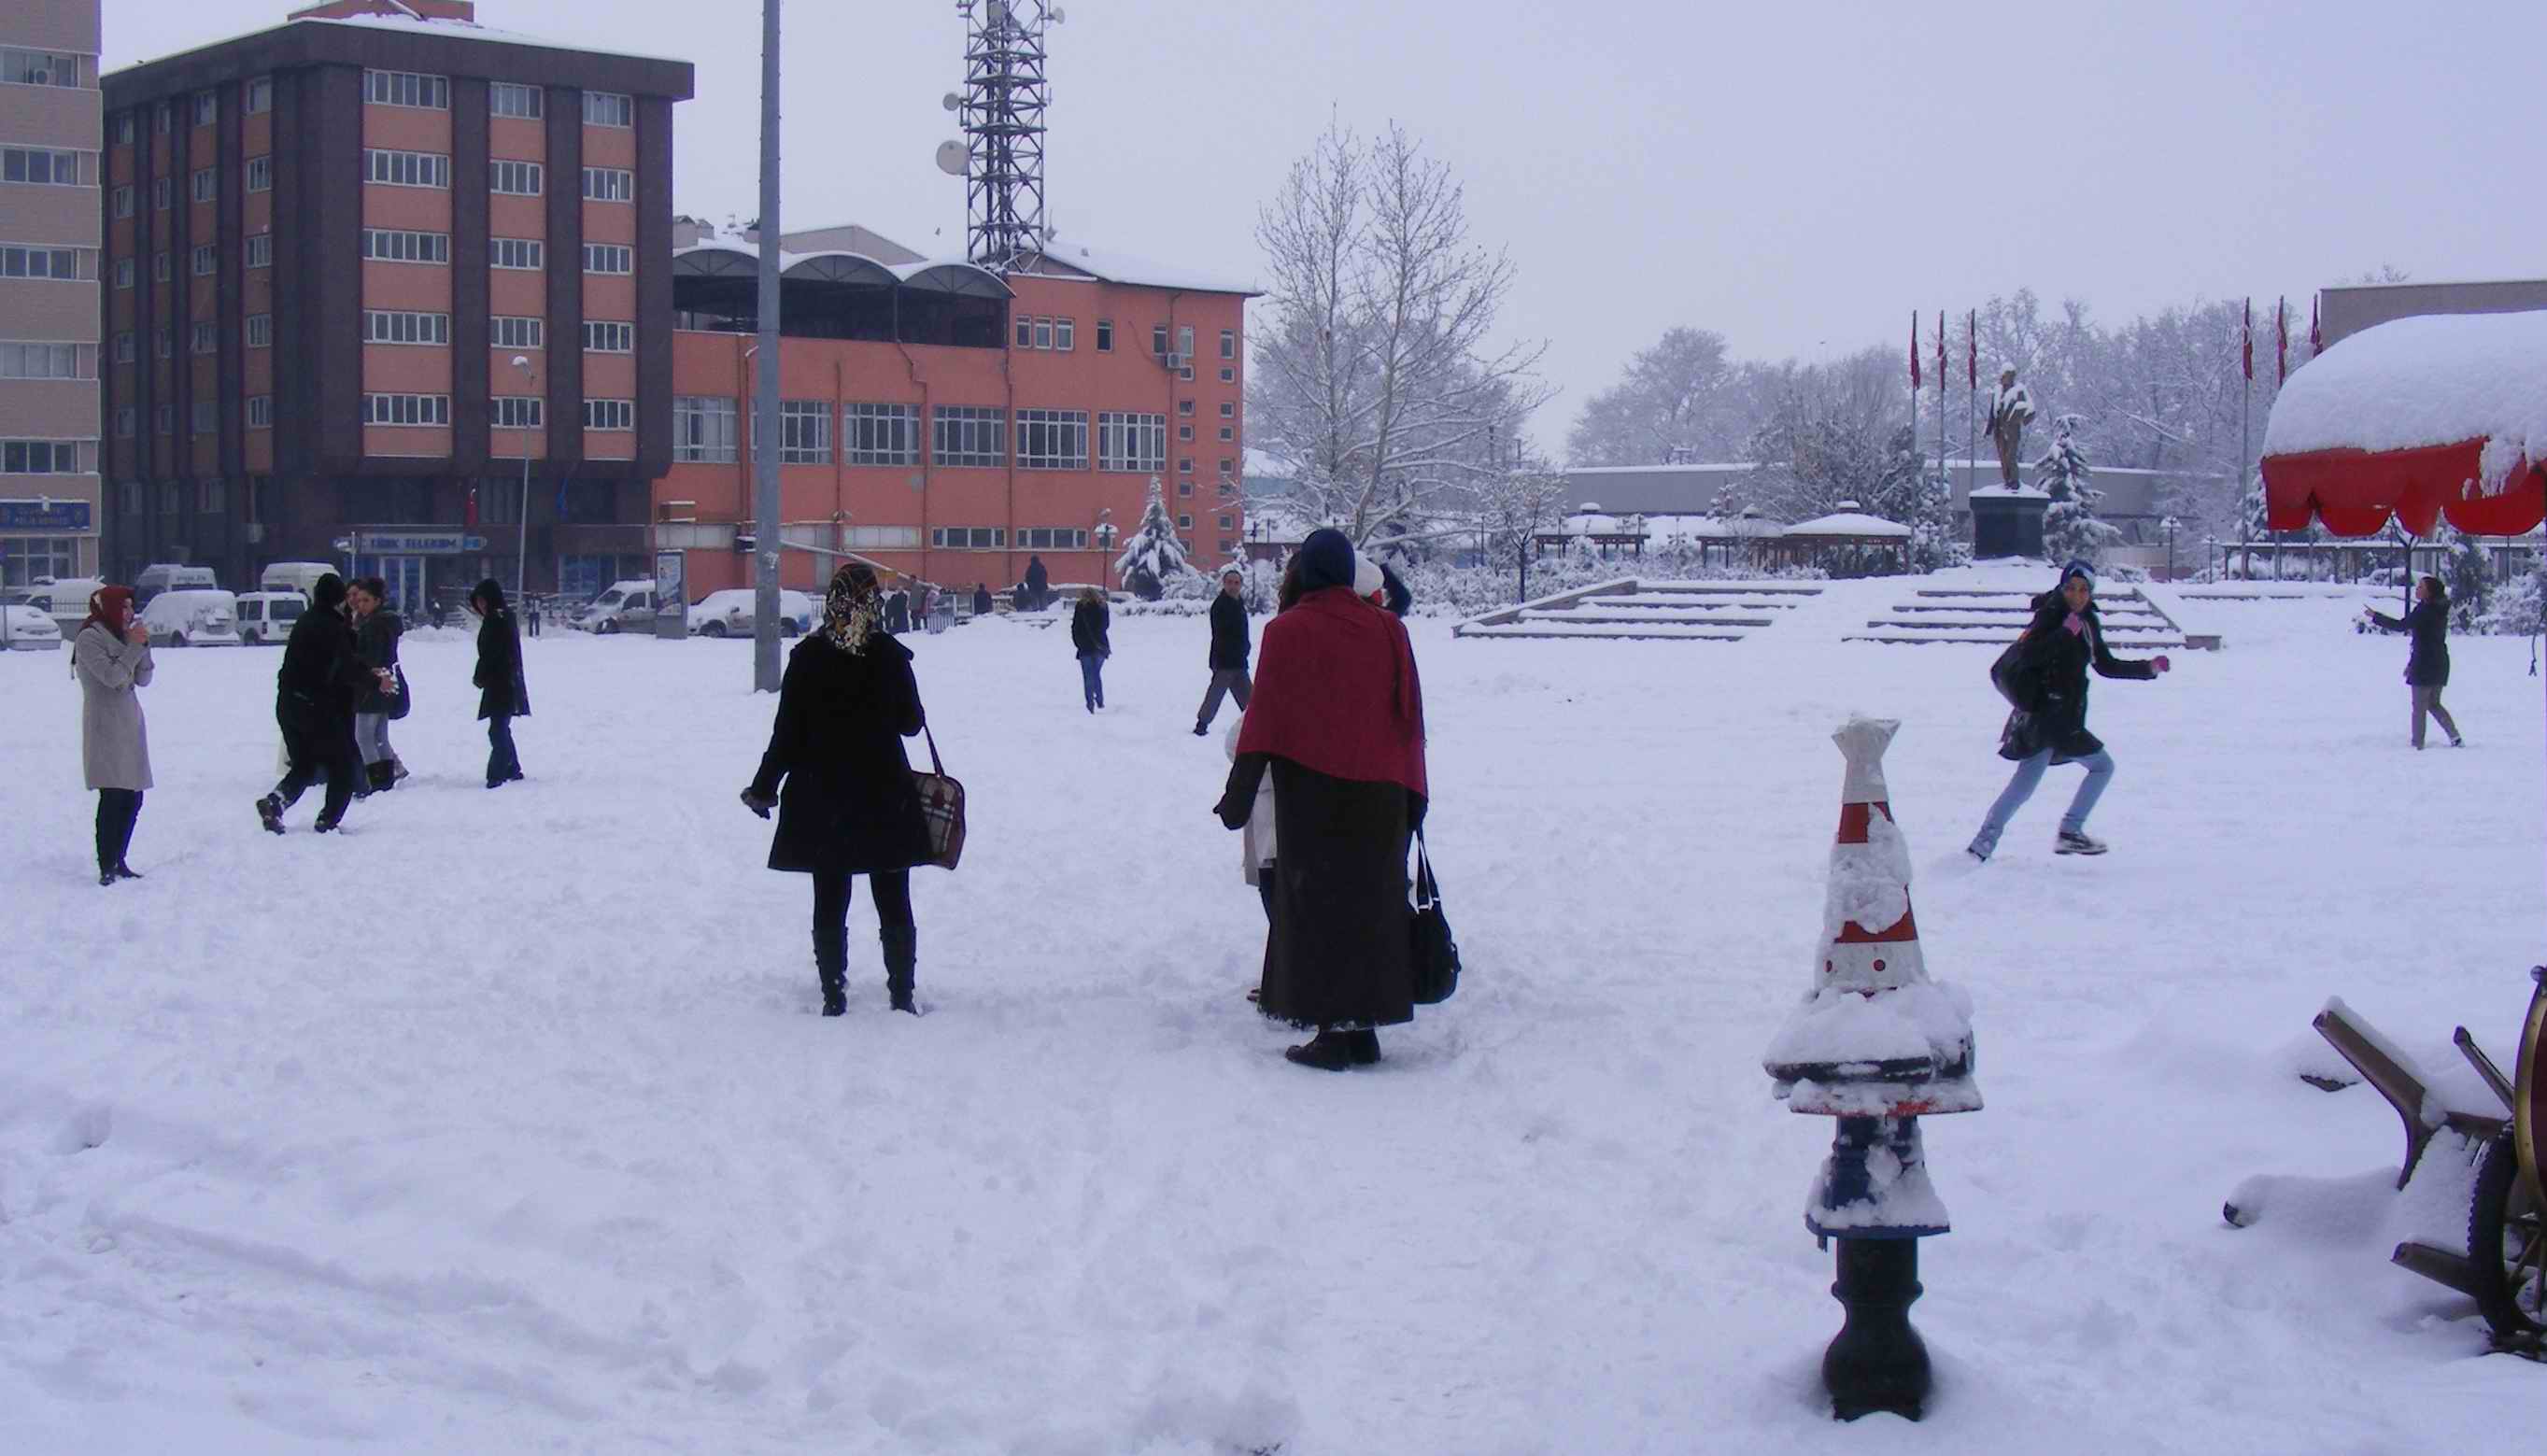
x=1338 y=721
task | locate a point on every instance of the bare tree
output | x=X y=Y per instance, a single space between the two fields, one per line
x=1379 y=384
x=1680 y=398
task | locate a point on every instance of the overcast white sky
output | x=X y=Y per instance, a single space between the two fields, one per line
x=1796 y=176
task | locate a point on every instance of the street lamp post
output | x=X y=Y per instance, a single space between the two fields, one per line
x=1103 y=535
x=2170 y=523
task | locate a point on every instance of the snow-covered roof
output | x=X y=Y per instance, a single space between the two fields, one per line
x=2437 y=379
x=1109 y=265
x=414 y=25
x=942 y=274
x=1664 y=528
x=1849 y=523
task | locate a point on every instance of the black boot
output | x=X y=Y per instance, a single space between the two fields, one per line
x=269 y=812
x=900 y=964
x=381 y=775
x=1335 y=1050
x=830 y=968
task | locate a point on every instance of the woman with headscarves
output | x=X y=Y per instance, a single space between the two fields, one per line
x=1338 y=722
x=835 y=772
x=503 y=693
x=111 y=658
x=377 y=630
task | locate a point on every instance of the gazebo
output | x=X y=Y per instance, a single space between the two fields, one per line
x=1846 y=542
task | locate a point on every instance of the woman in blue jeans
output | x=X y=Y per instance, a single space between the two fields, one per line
x=1088 y=639
x=2045 y=677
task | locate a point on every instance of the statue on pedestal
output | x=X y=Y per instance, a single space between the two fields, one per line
x=2011 y=409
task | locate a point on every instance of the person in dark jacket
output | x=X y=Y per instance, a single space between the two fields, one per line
x=1337 y=721
x=1088 y=639
x=897 y=612
x=2427 y=662
x=377 y=631
x=982 y=606
x=2045 y=679
x=1039 y=585
x=1229 y=650
x=503 y=693
x=314 y=692
x=836 y=774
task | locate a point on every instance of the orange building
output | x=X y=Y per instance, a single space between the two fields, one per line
x=948 y=422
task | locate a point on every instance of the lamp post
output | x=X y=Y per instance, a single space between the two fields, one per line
x=522 y=549
x=1103 y=535
x=2170 y=523
x=767 y=450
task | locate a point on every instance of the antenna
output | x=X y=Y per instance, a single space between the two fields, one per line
x=1002 y=108
x=951 y=157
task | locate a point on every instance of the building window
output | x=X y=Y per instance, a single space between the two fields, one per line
x=393 y=245
x=883 y=434
x=208 y=108
x=1228 y=435
x=511 y=99
x=1185 y=406
x=1105 y=336
x=609 y=109
x=609 y=185
x=163 y=420
x=874 y=538
x=124 y=201
x=260 y=330
x=388 y=326
x=207 y=184
x=38 y=68
x=1228 y=410
x=517 y=252
x=507 y=332
x=601 y=336
x=162 y=344
x=968 y=538
x=260 y=95
x=1025 y=332
x=126 y=347
x=206 y=417
x=407 y=168
x=803 y=432
x=39 y=166
x=171 y=500
x=1052 y=538
x=704 y=429
x=1228 y=524
x=1228 y=376
x=1052 y=439
x=609 y=258
x=165 y=119
x=499 y=501
x=23 y=559
x=127 y=497
x=519 y=412
x=514 y=179
x=610 y=414
x=261 y=174
x=211 y=497
x=260 y=411
x=162 y=190
x=1132 y=442
x=1184 y=465
x=407 y=88
x=406 y=409
x=1065 y=334
x=1184 y=522
x=127 y=422
x=40 y=457
x=1185 y=434
x=1159 y=340
x=1185 y=487
x=55 y=263
x=260 y=250
x=206 y=260
x=124 y=273
x=124 y=130
x=970 y=435
x=1228 y=469
x=207 y=339
x=1043 y=333
x=1228 y=346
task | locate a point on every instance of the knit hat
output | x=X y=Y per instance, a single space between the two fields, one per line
x=1326 y=560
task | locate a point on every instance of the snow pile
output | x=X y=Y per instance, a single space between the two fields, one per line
x=1869 y=883
x=2423 y=381
x=1898 y=1195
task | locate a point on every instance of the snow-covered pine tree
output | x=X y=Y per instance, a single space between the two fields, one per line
x=2471 y=584
x=2070 y=530
x=1153 y=556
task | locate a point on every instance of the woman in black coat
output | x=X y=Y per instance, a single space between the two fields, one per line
x=836 y=772
x=2427 y=662
x=503 y=693
x=2045 y=680
x=313 y=703
x=377 y=630
x=1088 y=639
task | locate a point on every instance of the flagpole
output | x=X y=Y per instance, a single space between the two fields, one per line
x=1971 y=394
x=1941 y=392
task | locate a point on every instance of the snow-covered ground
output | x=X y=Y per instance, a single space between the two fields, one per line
x=502 y=1121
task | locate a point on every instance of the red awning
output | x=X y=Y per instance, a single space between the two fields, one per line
x=2354 y=492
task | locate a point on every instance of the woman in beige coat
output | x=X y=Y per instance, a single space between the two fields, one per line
x=111 y=658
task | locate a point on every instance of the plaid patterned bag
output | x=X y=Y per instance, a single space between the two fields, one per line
x=942 y=804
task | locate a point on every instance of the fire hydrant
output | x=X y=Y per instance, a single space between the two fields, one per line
x=1877 y=1045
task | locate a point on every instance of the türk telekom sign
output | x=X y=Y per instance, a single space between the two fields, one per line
x=44 y=515
x=412 y=543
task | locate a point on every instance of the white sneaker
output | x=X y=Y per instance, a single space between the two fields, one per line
x=2073 y=842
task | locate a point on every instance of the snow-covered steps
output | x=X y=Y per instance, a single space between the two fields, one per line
x=2133 y=618
x=1633 y=609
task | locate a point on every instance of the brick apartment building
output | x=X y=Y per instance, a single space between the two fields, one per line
x=50 y=133
x=366 y=269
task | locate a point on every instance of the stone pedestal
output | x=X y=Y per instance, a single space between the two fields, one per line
x=2007 y=523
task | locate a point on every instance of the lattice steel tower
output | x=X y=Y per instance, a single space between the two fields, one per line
x=1002 y=108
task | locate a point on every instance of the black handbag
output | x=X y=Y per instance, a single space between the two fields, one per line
x=400 y=703
x=1436 y=952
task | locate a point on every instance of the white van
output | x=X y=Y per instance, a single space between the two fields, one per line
x=64 y=600
x=168 y=577
x=736 y=611
x=299 y=576
x=267 y=616
x=193 y=616
x=628 y=606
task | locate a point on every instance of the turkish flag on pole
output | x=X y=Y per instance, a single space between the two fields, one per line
x=1973 y=350
x=1914 y=351
x=468 y=512
x=2246 y=332
x=2316 y=341
x=2281 y=342
x=1941 y=355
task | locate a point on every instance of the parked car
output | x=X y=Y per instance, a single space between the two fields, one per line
x=64 y=600
x=168 y=577
x=734 y=612
x=193 y=616
x=29 y=629
x=299 y=576
x=267 y=616
x=627 y=606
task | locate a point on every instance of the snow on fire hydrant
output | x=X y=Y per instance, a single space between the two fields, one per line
x=1877 y=1045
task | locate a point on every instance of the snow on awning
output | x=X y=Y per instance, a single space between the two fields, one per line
x=1850 y=523
x=2415 y=419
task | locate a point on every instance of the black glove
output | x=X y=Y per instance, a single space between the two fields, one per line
x=760 y=803
x=1235 y=809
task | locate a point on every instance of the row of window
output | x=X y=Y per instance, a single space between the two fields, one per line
x=1061 y=335
x=68 y=265
x=39 y=67
x=706 y=430
x=48 y=457
x=509 y=411
x=1031 y=537
x=206 y=419
x=47 y=361
x=205 y=338
x=380 y=88
x=45 y=166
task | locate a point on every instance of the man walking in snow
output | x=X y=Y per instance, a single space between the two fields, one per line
x=2011 y=409
x=1228 y=650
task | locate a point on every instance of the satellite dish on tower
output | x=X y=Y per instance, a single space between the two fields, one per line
x=996 y=10
x=952 y=158
x=951 y=101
